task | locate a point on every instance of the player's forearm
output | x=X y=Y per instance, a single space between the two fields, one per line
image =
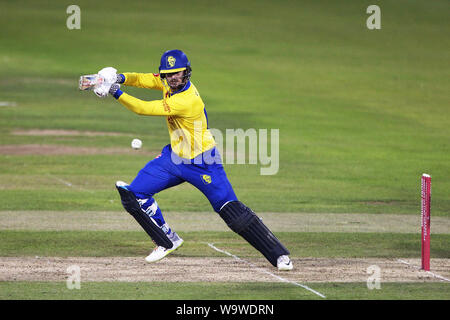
x=131 y=79
x=141 y=80
x=147 y=108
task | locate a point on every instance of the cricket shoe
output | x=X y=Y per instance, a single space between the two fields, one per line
x=121 y=184
x=284 y=263
x=160 y=252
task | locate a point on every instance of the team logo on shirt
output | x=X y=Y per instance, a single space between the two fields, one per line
x=171 y=61
x=206 y=179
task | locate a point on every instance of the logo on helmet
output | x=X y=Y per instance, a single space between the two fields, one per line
x=171 y=61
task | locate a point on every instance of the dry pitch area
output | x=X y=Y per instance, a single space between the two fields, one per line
x=183 y=269
x=226 y=269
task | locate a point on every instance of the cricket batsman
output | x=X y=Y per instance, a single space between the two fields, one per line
x=190 y=157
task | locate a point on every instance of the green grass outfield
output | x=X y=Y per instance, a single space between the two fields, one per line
x=361 y=115
x=220 y=291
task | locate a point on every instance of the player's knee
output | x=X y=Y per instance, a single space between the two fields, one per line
x=236 y=215
x=219 y=203
x=132 y=206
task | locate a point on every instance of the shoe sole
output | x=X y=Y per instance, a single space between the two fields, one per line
x=289 y=267
x=167 y=252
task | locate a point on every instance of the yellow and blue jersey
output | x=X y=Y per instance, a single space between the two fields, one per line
x=184 y=110
x=190 y=138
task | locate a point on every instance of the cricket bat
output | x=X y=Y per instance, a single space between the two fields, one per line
x=89 y=82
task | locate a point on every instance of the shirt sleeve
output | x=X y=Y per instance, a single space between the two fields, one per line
x=143 y=80
x=168 y=107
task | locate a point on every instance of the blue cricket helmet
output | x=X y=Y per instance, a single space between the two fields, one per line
x=174 y=61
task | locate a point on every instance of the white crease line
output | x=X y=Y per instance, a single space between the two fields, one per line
x=433 y=274
x=62 y=181
x=265 y=271
x=67 y=183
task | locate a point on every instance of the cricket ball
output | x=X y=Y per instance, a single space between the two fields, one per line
x=136 y=144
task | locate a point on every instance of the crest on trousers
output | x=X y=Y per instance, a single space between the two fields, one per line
x=171 y=61
x=206 y=179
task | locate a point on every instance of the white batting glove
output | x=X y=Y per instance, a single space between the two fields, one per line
x=102 y=90
x=108 y=74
